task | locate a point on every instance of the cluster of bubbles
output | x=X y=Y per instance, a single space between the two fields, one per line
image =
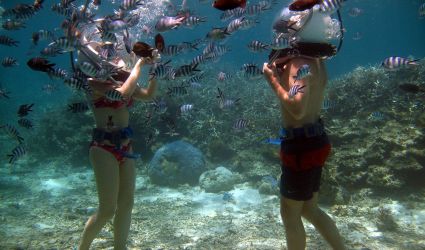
x=334 y=29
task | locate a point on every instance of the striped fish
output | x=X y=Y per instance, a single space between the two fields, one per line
x=66 y=3
x=23 y=122
x=177 y=91
x=107 y=36
x=78 y=107
x=77 y=83
x=247 y=24
x=66 y=44
x=187 y=46
x=196 y=78
x=186 y=70
x=330 y=6
x=62 y=10
x=376 y=116
x=12 y=132
x=395 y=62
x=221 y=77
x=160 y=70
x=280 y=43
x=236 y=13
x=223 y=102
x=234 y=25
x=251 y=71
x=257 y=46
x=13 y=25
x=240 y=124
x=267 y=4
x=129 y=5
x=51 y=51
x=171 y=50
x=57 y=73
x=227 y=103
x=42 y=35
x=88 y=69
x=5 y=40
x=160 y=105
x=303 y=72
x=186 y=108
x=220 y=50
x=114 y=95
x=199 y=59
x=17 y=153
x=209 y=48
x=255 y=9
x=9 y=62
x=294 y=90
x=192 y=21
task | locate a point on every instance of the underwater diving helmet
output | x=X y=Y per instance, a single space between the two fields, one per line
x=310 y=26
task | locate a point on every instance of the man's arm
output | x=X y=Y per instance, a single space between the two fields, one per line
x=295 y=105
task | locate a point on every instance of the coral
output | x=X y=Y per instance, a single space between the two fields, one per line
x=176 y=163
x=385 y=220
x=219 y=179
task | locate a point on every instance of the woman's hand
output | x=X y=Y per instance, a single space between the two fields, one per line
x=270 y=72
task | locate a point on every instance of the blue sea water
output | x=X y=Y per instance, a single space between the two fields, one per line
x=386 y=28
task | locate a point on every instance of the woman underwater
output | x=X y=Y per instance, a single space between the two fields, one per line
x=111 y=153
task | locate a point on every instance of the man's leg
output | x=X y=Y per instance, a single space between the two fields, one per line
x=322 y=222
x=290 y=210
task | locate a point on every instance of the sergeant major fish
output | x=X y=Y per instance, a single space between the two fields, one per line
x=23 y=122
x=12 y=132
x=303 y=72
x=168 y=23
x=17 y=153
x=395 y=62
x=294 y=90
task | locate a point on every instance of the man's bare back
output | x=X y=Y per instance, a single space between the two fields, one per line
x=303 y=108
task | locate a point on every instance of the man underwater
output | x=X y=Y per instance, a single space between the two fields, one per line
x=298 y=76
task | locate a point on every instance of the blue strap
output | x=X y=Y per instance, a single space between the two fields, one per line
x=273 y=141
x=127 y=132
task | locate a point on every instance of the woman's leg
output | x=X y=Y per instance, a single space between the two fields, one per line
x=106 y=171
x=122 y=217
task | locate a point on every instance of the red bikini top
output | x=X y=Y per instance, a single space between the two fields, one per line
x=103 y=102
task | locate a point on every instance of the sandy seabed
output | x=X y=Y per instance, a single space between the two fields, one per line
x=46 y=208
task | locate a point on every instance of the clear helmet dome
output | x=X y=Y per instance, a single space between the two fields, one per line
x=312 y=25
